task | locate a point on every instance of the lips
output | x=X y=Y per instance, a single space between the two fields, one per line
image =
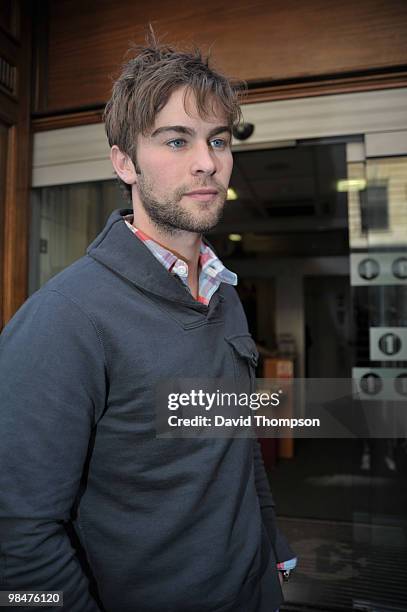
x=203 y=195
x=203 y=192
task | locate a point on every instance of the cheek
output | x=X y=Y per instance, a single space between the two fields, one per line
x=167 y=178
x=161 y=174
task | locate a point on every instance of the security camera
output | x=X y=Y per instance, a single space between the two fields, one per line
x=243 y=131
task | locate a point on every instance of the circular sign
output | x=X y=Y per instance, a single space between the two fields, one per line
x=399 y=268
x=400 y=384
x=371 y=383
x=368 y=269
x=390 y=344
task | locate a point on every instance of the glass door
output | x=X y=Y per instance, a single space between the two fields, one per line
x=378 y=246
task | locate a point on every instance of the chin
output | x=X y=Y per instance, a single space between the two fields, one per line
x=212 y=218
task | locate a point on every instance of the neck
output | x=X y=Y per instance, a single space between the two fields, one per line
x=185 y=245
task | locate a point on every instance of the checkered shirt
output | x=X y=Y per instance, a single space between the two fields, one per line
x=212 y=271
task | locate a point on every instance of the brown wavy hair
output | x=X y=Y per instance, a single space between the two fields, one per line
x=146 y=83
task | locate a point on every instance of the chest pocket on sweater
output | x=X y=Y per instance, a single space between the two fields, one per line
x=245 y=359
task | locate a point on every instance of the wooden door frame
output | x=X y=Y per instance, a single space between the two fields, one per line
x=15 y=52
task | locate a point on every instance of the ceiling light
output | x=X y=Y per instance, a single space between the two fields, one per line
x=351 y=185
x=235 y=237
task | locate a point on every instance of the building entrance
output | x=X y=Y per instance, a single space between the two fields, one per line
x=316 y=229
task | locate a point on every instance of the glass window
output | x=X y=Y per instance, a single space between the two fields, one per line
x=65 y=220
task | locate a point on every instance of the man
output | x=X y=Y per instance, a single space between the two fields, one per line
x=91 y=501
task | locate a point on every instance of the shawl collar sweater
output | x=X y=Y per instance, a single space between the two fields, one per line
x=91 y=501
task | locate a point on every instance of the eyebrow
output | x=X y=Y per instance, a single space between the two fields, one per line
x=182 y=129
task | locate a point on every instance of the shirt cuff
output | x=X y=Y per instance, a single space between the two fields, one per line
x=287 y=565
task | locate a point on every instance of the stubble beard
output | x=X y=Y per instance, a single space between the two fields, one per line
x=170 y=217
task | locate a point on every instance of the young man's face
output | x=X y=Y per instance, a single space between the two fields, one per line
x=182 y=154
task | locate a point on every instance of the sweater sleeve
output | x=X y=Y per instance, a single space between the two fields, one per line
x=280 y=545
x=52 y=388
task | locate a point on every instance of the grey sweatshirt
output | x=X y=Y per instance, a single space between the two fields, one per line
x=91 y=501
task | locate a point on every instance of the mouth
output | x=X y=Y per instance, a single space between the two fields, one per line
x=204 y=195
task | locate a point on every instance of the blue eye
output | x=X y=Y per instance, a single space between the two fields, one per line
x=174 y=144
x=218 y=143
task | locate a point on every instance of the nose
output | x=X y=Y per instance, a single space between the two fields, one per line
x=203 y=160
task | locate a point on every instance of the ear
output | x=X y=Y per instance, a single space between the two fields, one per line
x=123 y=165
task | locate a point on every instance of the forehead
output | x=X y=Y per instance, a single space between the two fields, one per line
x=181 y=109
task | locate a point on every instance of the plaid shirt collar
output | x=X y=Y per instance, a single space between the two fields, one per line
x=212 y=271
